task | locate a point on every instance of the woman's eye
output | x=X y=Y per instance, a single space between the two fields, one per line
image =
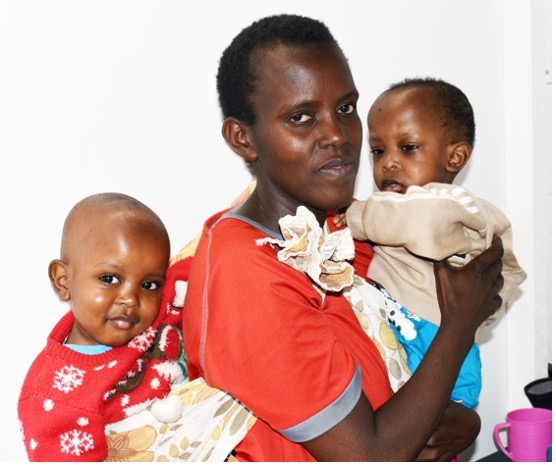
x=109 y=279
x=347 y=109
x=151 y=285
x=300 y=118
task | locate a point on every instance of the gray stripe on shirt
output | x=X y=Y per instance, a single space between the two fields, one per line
x=328 y=417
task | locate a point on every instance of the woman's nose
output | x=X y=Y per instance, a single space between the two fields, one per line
x=333 y=132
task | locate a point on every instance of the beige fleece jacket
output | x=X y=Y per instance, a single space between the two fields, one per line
x=432 y=222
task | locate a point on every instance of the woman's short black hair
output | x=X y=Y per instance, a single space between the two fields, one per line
x=236 y=78
x=451 y=104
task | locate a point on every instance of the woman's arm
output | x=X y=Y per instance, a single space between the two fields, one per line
x=456 y=431
x=400 y=429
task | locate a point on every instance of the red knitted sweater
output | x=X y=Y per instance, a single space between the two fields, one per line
x=67 y=398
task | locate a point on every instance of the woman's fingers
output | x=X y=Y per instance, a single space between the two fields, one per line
x=471 y=291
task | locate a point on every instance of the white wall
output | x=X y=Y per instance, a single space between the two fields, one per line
x=120 y=96
x=527 y=96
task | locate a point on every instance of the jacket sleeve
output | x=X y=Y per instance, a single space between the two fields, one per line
x=428 y=222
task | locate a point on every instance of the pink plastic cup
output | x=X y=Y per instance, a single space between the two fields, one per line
x=529 y=433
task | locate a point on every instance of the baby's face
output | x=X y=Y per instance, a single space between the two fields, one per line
x=408 y=144
x=115 y=282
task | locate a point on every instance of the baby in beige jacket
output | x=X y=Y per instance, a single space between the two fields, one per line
x=421 y=134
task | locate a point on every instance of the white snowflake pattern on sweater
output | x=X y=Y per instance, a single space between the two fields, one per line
x=68 y=378
x=76 y=442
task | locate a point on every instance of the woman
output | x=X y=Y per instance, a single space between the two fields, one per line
x=290 y=350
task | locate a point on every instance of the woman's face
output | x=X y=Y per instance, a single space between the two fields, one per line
x=307 y=135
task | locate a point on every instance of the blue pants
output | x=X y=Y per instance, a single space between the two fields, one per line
x=416 y=334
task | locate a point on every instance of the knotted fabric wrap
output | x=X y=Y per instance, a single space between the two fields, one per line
x=305 y=248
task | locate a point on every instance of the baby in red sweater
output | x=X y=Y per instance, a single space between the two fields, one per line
x=117 y=351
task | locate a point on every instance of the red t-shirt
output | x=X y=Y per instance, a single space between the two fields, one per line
x=259 y=330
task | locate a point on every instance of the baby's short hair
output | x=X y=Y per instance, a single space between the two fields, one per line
x=450 y=102
x=236 y=77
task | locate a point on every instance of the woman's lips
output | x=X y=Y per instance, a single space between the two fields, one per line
x=337 y=168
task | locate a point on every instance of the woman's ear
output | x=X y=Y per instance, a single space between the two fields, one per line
x=458 y=156
x=58 y=273
x=238 y=136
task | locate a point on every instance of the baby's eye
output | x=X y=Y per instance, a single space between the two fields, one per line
x=377 y=152
x=409 y=147
x=347 y=109
x=300 y=118
x=109 y=279
x=150 y=285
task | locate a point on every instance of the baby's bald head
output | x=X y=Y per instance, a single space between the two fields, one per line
x=95 y=218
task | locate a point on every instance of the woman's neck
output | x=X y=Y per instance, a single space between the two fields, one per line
x=268 y=214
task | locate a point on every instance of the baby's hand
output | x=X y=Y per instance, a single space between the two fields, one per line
x=340 y=219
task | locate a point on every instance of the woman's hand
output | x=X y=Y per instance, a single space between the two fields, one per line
x=457 y=430
x=469 y=295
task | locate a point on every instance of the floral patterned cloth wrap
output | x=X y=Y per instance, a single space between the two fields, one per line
x=211 y=425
